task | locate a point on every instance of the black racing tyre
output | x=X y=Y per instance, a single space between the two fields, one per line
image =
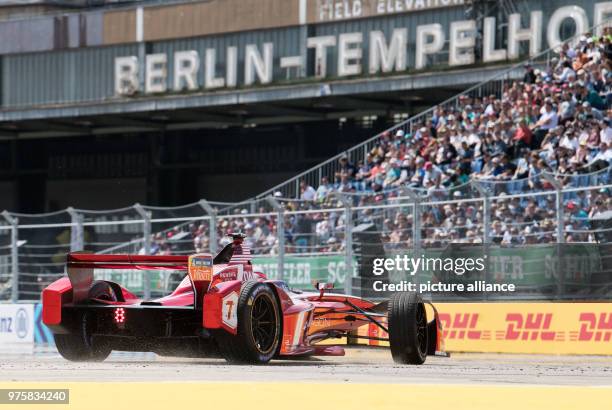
x=407 y=322
x=259 y=327
x=80 y=346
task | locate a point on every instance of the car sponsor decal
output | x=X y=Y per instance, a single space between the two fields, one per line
x=200 y=267
x=229 y=314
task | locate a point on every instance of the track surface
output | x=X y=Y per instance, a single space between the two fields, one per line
x=358 y=366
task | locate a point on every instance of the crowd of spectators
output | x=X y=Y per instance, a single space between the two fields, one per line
x=310 y=233
x=557 y=119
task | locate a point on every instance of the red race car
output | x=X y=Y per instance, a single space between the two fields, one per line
x=223 y=307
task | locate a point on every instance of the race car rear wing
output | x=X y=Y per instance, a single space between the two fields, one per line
x=156 y=261
x=80 y=267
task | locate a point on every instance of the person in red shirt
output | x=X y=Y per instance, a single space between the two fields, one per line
x=376 y=169
x=523 y=135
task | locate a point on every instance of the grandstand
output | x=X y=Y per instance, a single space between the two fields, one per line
x=552 y=122
x=521 y=160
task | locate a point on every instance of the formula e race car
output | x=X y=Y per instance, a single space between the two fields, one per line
x=223 y=307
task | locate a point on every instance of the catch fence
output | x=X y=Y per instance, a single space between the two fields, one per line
x=335 y=239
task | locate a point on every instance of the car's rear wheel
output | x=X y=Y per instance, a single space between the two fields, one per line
x=80 y=345
x=407 y=328
x=259 y=327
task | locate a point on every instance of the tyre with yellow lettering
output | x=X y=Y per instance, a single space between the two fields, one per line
x=259 y=327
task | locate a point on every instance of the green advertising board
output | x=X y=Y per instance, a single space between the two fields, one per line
x=133 y=279
x=301 y=271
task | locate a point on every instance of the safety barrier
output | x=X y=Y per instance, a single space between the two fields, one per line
x=542 y=328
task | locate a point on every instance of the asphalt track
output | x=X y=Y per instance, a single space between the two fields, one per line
x=358 y=366
x=364 y=379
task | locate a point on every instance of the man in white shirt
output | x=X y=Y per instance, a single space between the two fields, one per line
x=549 y=118
x=569 y=141
x=323 y=190
x=323 y=230
x=567 y=74
x=605 y=153
x=308 y=192
x=605 y=135
x=567 y=108
x=431 y=174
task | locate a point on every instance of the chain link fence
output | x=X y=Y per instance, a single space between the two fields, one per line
x=335 y=239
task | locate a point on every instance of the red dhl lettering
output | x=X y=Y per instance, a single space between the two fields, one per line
x=595 y=327
x=532 y=326
x=461 y=326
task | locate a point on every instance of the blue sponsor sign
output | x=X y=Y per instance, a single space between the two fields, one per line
x=42 y=334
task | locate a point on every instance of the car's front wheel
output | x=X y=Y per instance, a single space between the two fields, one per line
x=408 y=333
x=259 y=327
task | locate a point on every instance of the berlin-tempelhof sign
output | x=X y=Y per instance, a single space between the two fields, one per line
x=197 y=69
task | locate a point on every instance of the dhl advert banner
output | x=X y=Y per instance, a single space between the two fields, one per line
x=547 y=328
